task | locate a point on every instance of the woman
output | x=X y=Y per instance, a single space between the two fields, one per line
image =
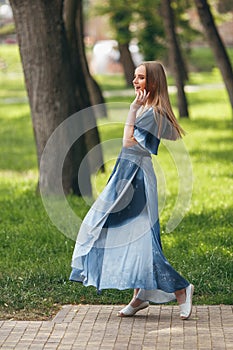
x=118 y=245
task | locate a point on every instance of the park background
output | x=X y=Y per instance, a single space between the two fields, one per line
x=35 y=257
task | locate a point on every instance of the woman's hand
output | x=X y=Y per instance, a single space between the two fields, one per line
x=140 y=100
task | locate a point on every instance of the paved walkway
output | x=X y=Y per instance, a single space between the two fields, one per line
x=93 y=327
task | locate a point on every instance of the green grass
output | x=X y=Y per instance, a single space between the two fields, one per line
x=201 y=59
x=35 y=256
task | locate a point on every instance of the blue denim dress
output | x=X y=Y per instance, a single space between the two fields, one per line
x=118 y=244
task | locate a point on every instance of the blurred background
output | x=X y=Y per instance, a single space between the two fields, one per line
x=146 y=36
x=60 y=57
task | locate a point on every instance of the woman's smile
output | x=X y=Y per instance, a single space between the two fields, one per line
x=139 y=81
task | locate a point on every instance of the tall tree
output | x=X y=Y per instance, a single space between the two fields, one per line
x=120 y=14
x=121 y=20
x=50 y=85
x=73 y=17
x=175 y=56
x=150 y=29
x=74 y=23
x=187 y=33
x=216 y=45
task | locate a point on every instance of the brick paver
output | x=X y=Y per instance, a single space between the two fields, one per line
x=93 y=327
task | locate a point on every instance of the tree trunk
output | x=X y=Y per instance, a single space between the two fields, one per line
x=127 y=63
x=72 y=15
x=50 y=86
x=175 y=57
x=216 y=45
x=96 y=95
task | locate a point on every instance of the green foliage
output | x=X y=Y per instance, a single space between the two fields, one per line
x=150 y=32
x=35 y=257
x=120 y=15
x=142 y=21
x=121 y=22
x=187 y=34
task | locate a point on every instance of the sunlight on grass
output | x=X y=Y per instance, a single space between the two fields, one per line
x=35 y=256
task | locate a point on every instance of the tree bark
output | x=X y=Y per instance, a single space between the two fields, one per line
x=50 y=85
x=72 y=15
x=216 y=45
x=96 y=95
x=175 y=57
x=127 y=63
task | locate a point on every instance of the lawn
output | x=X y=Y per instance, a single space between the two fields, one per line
x=35 y=256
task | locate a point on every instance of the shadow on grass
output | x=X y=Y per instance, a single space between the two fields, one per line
x=208 y=156
x=35 y=258
x=203 y=124
x=201 y=248
x=212 y=220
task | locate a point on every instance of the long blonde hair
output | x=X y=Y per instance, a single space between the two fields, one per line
x=156 y=84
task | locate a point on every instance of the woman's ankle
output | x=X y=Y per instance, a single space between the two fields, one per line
x=136 y=290
x=136 y=302
x=181 y=296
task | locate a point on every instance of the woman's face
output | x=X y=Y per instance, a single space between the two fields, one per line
x=139 y=81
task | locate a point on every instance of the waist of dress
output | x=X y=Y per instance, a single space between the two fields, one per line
x=138 y=152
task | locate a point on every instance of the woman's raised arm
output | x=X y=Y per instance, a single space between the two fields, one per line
x=128 y=138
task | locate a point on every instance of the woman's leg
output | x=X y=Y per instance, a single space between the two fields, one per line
x=184 y=299
x=134 y=301
x=183 y=296
x=134 y=305
x=180 y=296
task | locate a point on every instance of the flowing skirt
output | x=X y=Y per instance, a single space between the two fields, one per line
x=118 y=245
